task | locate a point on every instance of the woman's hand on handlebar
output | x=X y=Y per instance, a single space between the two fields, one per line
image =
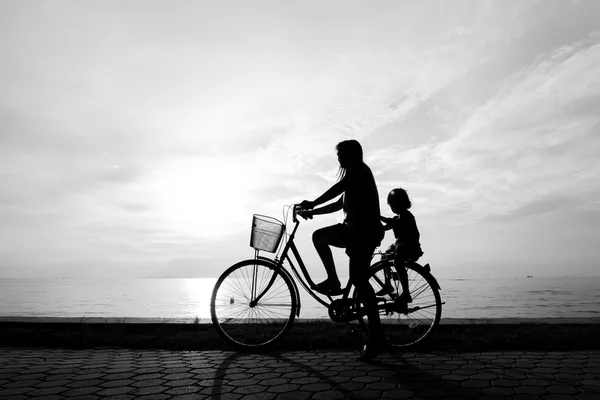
x=307 y=205
x=306 y=214
x=300 y=211
x=304 y=209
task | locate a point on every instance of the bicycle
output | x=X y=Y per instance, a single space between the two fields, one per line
x=255 y=301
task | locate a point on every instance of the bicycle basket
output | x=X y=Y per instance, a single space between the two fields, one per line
x=266 y=233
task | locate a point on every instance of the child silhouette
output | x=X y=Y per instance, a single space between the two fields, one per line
x=406 y=247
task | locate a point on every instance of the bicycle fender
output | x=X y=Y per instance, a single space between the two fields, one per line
x=285 y=272
x=426 y=269
x=297 y=292
x=268 y=260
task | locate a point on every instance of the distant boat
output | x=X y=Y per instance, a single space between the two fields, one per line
x=530 y=276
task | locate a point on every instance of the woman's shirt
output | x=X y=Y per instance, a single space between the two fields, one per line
x=361 y=199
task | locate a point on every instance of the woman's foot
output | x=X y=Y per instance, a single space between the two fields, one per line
x=330 y=288
x=373 y=349
x=385 y=290
x=401 y=302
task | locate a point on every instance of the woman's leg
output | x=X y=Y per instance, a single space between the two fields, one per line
x=322 y=239
x=359 y=274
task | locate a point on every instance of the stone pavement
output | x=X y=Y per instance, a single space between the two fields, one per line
x=162 y=374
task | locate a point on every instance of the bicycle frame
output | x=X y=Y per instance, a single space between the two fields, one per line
x=304 y=278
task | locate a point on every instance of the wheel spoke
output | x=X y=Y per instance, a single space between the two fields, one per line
x=411 y=325
x=252 y=304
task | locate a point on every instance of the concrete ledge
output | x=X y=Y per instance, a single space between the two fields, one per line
x=456 y=335
x=135 y=320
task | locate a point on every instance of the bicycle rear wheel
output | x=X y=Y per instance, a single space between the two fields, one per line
x=253 y=304
x=407 y=327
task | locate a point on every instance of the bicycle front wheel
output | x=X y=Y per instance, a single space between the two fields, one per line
x=407 y=326
x=253 y=304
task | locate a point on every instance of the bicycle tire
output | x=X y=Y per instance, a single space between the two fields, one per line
x=238 y=318
x=423 y=313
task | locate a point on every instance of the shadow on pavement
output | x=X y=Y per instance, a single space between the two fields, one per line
x=412 y=380
x=395 y=376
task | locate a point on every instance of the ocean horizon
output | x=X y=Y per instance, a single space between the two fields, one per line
x=189 y=298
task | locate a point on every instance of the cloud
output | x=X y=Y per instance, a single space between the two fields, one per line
x=153 y=134
x=535 y=137
x=554 y=202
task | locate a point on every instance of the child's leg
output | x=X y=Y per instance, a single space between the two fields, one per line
x=402 y=274
x=388 y=277
x=387 y=285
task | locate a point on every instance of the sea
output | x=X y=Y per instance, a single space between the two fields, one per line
x=175 y=300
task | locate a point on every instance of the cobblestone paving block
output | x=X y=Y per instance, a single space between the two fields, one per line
x=480 y=384
x=381 y=386
x=286 y=388
x=157 y=374
x=398 y=394
x=82 y=391
x=187 y=390
x=251 y=389
x=295 y=396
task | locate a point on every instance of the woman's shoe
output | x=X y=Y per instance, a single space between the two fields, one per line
x=406 y=297
x=328 y=288
x=401 y=303
x=373 y=349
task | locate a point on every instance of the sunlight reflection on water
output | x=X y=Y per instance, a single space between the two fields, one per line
x=569 y=297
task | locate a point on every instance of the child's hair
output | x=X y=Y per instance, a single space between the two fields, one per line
x=398 y=198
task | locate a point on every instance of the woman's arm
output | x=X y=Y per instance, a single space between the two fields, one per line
x=388 y=222
x=331 y=193
x=329 y=208
x=386 y=219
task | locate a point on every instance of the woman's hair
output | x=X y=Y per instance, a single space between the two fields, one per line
x=353 y=153
x=398 y=198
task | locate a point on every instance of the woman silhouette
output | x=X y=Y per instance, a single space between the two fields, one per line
x=360 y=234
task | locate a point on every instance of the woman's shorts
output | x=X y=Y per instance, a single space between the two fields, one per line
x=357 y=242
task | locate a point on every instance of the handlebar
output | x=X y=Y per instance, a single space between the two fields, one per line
x=297 y=210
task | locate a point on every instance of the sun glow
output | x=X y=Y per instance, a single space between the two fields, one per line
x=197 y=294
x=203 y=197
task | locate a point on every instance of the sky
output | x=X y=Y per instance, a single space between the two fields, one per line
x=138 y=138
